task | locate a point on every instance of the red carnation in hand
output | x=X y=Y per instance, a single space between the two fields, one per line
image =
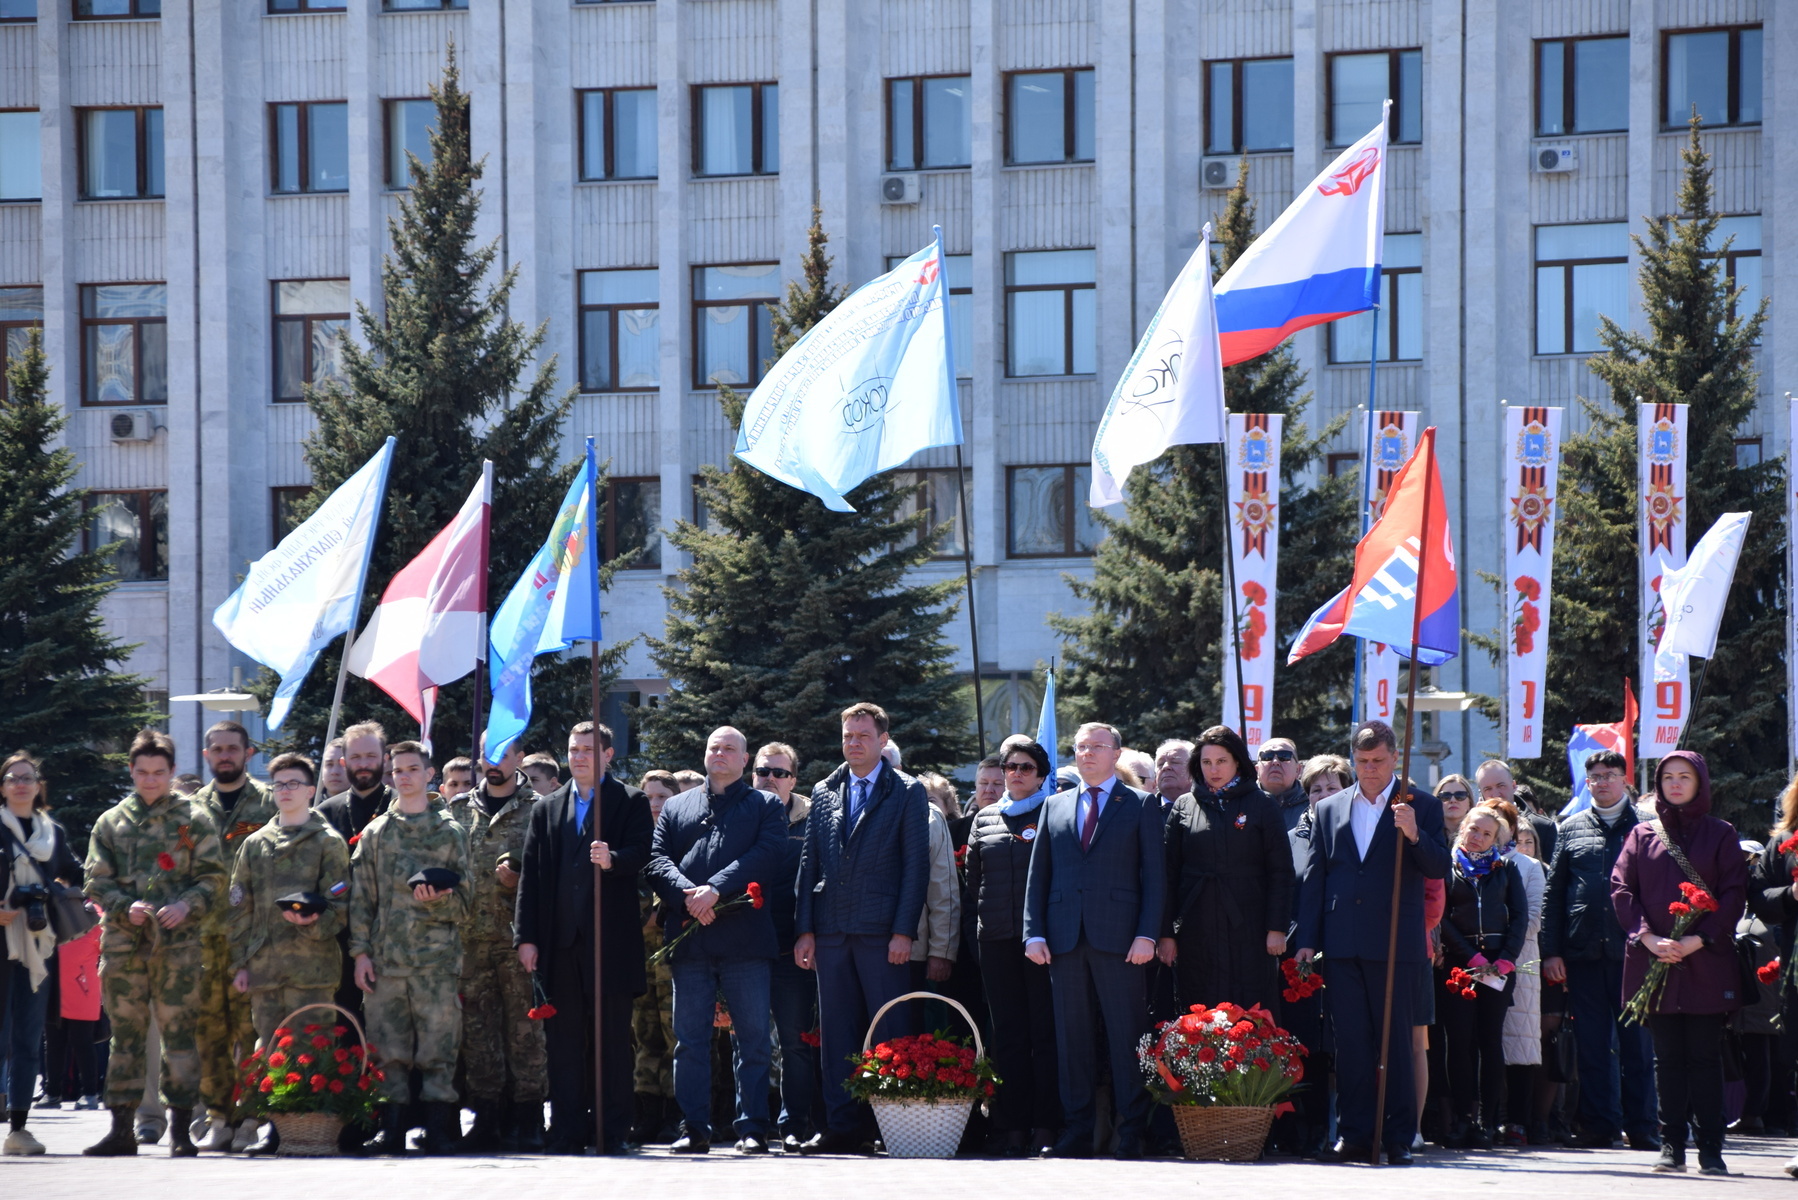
x=812 y=1037
x=166 y=861
x=1679 y=910
x=542 y=1012
x=354 y=838
x=755 y=895
x=1768 y=972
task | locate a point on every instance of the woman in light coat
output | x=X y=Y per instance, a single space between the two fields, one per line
x=1523 y=1023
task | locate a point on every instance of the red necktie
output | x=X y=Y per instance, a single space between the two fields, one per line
x=1092 y=819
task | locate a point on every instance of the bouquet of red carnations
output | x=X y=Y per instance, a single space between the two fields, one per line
x=308 y=1072
x=1686 y=913
x=751 y=897
x=1227 y=1056
x=1302 y=980
x=926 y=1066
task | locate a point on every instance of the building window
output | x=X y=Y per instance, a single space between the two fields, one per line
x=930 y=123
x=120 y=153
x=18 y=10
x=1400 y=315
x=125 y=347
x=1361 y=83
x=410 y=124
x=1582 y=273
x=621 y=331
x=1049 y=116
x=132 y=530
x=632 y=516
x=1748 y=452
x=21 y=165
x=300 y=6
x=940 y=498
x=1049 y=313
x=310 y=316
x=618 y=133
x=283 y=506
x=1046 y=512
x=101 y=10
x=733 y=331
x=737 y=129
x=1741 y=261
x=1341 y=463
x=1582 y=86
x=1248 y=105
x=1716 y=70
x=422 y=5
x=958 y=272
x=21 y=311
x=311 y=144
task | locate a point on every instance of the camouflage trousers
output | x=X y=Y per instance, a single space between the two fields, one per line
x=269 y=1006
x=165 y=987
x=652 y=1032
x=498 y=1039
x=415 y=1021
x=225 y=1030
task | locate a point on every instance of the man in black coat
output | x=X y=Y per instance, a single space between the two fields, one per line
x=554 y=933
x=349 y=812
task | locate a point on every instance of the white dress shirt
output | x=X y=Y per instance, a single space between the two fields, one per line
x=1364 y=815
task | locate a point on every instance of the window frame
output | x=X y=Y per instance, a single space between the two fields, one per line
x=31 y=20
x=146 y=528
x=75 y=13
x=1747 y=443
x=1069 y=134
x=917 y=121
x=1395 y=121
x=1734 y=81
x=1391 y=292
x=757 y=131
x=6 y=328
x=303 y=7
x=756 y=368
x=438 y=6
x=925 y=502
x=1341 y=462
x=387 y=110
x=142 y=151
x=1236 y=83
x=137 y=342
x=1566 y=266
x=39 y=198
x=1569 y=85
x=609 y=519
x=1071 y=499
x=1067 y=319
x=275 y=496
x=607 y=118
x=304 y=133
x=304 y=320
x=582 y=308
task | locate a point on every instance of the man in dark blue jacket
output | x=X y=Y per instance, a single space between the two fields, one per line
x=719 y=842
x=1345 y=911
x=794 y=992
x=862 y=880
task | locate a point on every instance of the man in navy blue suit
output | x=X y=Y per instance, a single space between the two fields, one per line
x=1092 y=910
x=1345 y=909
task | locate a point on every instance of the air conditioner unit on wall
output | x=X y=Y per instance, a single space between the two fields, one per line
x=134 y=425
x=901 y=189
x=1552 y=160
x=1218 y=174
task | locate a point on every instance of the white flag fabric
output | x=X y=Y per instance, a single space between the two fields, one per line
x=1532 y=452
x=1172 y=393
x=1252 y=481
x=1390 y=436
x=1694 y=594
x=306 y=591
x=1661 y=480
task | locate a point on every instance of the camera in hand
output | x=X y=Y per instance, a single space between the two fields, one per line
x=31 y=898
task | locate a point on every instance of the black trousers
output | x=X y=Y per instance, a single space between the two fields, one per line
x=1097 y=989
x=569 y=1038
x=1355 y=996
x=1019 y=996
x=1688 y=1076
x=1475 y=1032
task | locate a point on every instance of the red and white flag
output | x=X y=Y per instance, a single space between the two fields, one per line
x=431 y=624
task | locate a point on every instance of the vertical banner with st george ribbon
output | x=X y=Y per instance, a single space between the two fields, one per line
x=1390 y=440
x=1533 y=454
x=1666 y=684
x=1252 y=481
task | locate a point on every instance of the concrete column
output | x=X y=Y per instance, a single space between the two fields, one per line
x=367 y=220
x=1644 y=129
x=673 y=109
x=1779 y=215
x=986 y=499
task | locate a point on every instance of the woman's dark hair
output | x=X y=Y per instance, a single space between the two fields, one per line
x=42 y=799
x=1231 y=741
x=1029 y=746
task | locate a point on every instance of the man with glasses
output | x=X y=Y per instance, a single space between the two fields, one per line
x=1173 y=770
x=1277 y=769
x=793 y=992
x=1582 y=946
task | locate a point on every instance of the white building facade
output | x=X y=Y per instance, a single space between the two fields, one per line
x=192 y=194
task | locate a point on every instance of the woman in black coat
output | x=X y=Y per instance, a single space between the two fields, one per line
x=1482 y=934
x=1229 y=873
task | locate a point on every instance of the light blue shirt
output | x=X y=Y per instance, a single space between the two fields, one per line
x=1084 y=801
x=861 y=789
x=581 y=805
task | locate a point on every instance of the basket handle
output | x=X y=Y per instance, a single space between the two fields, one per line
x=979 y=1046
x=367 y=1063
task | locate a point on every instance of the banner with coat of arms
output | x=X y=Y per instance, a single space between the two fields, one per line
x=1533 y=450
x=1390 y=440
x=1666 y=685
x=1252 y=485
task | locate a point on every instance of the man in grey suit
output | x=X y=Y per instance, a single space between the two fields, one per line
x=1091 y=912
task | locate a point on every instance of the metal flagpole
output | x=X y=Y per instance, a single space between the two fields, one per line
x=1373 y=371
x=597 y=809
x=1233 y=633
x=967 y=565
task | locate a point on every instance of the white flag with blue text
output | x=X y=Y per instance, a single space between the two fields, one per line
x=866 y=388
x=305 y=591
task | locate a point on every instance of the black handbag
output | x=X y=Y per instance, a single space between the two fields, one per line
x=70 y=917
x=1560 y=1054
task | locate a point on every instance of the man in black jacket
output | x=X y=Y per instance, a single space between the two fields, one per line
x=349 y=812
x=555 y=935
x=1582 y=946
x=793 y=993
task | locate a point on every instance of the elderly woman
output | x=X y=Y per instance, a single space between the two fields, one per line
x=1229 y=872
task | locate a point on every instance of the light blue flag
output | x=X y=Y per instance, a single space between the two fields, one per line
x=864 y=390
x=308 y=589
x=554 y=604
x=1045 y=723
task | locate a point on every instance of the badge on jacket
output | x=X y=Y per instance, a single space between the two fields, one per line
x=1028 y=833
x=1242 y=820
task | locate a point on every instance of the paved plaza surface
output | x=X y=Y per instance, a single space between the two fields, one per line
x=1541 y=1174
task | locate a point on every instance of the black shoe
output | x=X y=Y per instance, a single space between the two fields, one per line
x=1398 y=1156
x=1644 y=1140
x=1352 y=1152
x=619 y=1147
x=1478 y=1138
x=648 y=1119
x=527 y=1128
x=1071 y=1146
x=390 y=1138
x=122 y=1141
x=267 y=1145
x=483 y=1136
x=752 y=1144
x=1673 y=1158
x=791 y=1143
x=181 y=1142
x=1128 y=1149
x=833 y=1142
x=1007 y=1144
x=1710 y=1162
x=689 y=1142
x=443 y=1128
x=1591 y=1138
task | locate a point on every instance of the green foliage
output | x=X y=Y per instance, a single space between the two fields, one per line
x=791 y=612
x=63 y=694
x=1147 y=656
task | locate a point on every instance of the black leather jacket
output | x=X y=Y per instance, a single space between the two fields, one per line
x=1489 y=915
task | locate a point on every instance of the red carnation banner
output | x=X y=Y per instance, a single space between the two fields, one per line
x=1665 y=690
x=1532 y=454
x=1252 y=445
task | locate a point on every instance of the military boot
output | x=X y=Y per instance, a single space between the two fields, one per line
x=442 y=1132
x=181 y=1142
x=483 y=1136
x=527 y=1126
x=390 y=1138
x=122 y=1140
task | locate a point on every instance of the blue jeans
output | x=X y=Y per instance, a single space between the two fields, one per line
x=25 y=1024
x=1610 y=1052
x=698 y=978
x=795 y=998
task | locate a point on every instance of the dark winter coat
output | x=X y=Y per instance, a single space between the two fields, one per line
x=1770 y=879
x=1489 y=915
x=998 y=865
x=783 y=880
x=1578 y=921
x=871 y=881
x=728 y=840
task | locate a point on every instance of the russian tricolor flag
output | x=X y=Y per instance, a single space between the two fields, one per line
x=1318 y=262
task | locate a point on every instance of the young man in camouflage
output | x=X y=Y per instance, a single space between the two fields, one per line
x=407 y=944
x=282 y=961
x=498 y=1039
x=156 y=868
x=239 y=806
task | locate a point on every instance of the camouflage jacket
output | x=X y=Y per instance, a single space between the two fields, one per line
x=254 y=807
x=276 y=861
x=157 y=853
x=491 y=838
x=403 y=935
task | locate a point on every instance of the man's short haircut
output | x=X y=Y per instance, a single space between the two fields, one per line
x=1324 y=764
x=991 y=762
x=1290 y=744
x=602 y=735
x=540 y=759
x=364 y=729
x=1500 y=763
x=686 y=781
x=293 y=762
x=335 y=743
x=665 y=778
x=1607 y=758
x=873 y=712
x=424 y=755
x=780 y=748
x=189 y=781
x=1117 y=739
x=464 y=763
x=243 y=735
x=151 y=743
x=1173 y=744
x=1373 y=735
x=1023 y=743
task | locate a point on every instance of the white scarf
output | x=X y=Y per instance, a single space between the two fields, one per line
x=22 y=945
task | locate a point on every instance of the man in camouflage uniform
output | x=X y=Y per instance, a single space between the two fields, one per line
x=498 y=1039
x=239 y=806
x=407 y=945
x=156 y=868
x=282 y=961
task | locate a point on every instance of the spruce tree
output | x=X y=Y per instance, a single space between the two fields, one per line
x=1147 y=656
x=441 y=371
x=790 y=612
x=1698 y=350
x=63 y=693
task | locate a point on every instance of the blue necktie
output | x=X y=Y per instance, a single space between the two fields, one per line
x=858 y=803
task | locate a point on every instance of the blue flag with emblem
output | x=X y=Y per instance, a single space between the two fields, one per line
x=1045 y=721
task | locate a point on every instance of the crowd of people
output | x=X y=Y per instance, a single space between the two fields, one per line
x=1615 y=975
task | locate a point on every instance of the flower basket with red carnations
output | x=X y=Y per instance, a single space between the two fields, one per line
x=1225 y=1072
x=309 y=1085
x=922 y=1088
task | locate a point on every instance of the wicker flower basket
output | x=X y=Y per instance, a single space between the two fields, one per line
x=314 y=1134
x=1222 y=1133
x=922 y=1128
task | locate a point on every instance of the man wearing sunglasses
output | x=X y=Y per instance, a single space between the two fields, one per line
x=1277 y=770
x=793 y=992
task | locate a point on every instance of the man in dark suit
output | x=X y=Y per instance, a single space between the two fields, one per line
x=555 y=935
x=862 y=879
x=1345 y=911
x=1092 y=910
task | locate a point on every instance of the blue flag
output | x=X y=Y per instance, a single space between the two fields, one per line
x=554 y=604
x=1045 y=723
x=864 y=390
